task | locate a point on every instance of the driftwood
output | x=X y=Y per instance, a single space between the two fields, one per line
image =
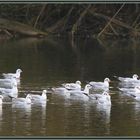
x=109 y=22
x=115 y=21
x=19 y=28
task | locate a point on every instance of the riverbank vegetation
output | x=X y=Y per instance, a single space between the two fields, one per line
x=88 y=20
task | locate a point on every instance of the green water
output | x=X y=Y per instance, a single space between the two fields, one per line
x=53 y=61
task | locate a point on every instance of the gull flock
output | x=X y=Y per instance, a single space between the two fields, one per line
x=127 y=85
x=9 y=89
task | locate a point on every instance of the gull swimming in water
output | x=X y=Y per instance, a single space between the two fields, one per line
x=42 y=97
x=103 y=98
x=128 y=79
x=12 y=75
x=133 y=92
x=135 y=96
x=129 y=90
x=61 y=91
x=8 y=83
x=21 y=100
x=101 y=85
x=82 y=93
x=69 y=93
x=13 y=92
x=72 y=86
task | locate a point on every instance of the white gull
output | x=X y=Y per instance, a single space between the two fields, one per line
x=12 y=75
x=26 y=100
x=42 y=97
x=72 y=86
x=128 y=79
x=100 y=85
x=103 y=98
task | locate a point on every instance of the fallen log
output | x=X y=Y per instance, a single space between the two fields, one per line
x=20 y=28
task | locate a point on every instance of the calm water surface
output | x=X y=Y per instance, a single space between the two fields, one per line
x=51 y=62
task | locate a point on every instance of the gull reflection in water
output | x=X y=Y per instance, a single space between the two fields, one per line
x=104 y=112
x=86 y=110
x=40 y=107
x=21 y=114
x=1 y=119
x=43 y=110
x=136 y=109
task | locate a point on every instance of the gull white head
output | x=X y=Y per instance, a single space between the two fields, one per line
x=18 y=71
x=78 y=82
x=87 y=87
x=107 y=98
x=44 y=91
x=28 y=98
x=135 y=77
x=107 y=80
x=44 y=96
x=1 y=97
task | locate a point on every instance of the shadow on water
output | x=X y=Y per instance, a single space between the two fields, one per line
x=53 y=61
